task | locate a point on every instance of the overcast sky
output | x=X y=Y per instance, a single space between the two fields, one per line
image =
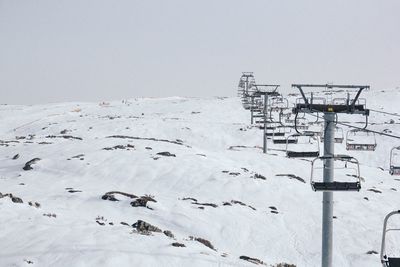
x=91 y=50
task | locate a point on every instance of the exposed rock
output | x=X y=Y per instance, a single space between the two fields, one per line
x=74 y=191
x=16 y=199
x=15 y=157
x=65 y=137
x=375 y=191
x=28 y=261
x=169 y=234
x=144 y=227
x=111 y=195
x=166 y=154
x=252 y=260
x=50 y=215
x=124 y=223
x=127 y=147
x=142 y=201
x=189 y=198
x=205 y=242
x=205 y=204
x=372 y=252
x=34 y=204
x=259 y=176
x=285 y=265
x=28 y=165
x=149 y=139
x=194 y=202
x=114 y=147
x=78 y=156
x=292 y=176
x=179 y=245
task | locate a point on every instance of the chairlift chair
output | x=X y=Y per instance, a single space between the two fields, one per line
x=349 y=168
x=388 y=261
x=394 y=161
x=297 y=149
x=284 y=140
x=302 y=123
x=274 y=130
x=345 y=101
x=279 y=103
x=360 y=140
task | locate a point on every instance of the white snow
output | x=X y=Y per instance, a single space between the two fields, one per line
x=207 y=129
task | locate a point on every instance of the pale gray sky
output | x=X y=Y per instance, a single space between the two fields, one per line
x=67 y=50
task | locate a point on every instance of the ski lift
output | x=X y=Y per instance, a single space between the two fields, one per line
x=285 y=118
x=360 y=140
x=284 y=141
x=339 y=136
x=349 y=168
x=394 y=161
x=298 y=148
x=278 y=103
x=279 y=138
x=346 y=101
x=385 y=259
x=302 y=123
x=274 y=130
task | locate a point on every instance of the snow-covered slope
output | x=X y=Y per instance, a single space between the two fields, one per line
x=215 y=185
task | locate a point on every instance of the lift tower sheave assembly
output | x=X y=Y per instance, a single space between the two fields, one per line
x=330 y=109
x=265 y=90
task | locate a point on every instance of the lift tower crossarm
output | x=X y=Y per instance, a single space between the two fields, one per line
x=337 y=108
x=265 y=89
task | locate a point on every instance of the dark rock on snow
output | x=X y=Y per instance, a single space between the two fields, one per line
x=28 y=165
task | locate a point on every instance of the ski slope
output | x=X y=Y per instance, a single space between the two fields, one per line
x=219 y=186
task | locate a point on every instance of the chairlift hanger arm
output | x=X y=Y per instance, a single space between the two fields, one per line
x=357 y=96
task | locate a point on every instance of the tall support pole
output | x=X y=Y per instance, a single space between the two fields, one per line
x=247 y=86
x=251 y=109
x=265 y=111
x=327 y=202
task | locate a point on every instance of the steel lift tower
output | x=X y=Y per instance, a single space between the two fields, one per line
x=328 y=186
x=265 y=90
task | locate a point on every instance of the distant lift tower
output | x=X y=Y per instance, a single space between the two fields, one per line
x=330 y=109
x=264 y=90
